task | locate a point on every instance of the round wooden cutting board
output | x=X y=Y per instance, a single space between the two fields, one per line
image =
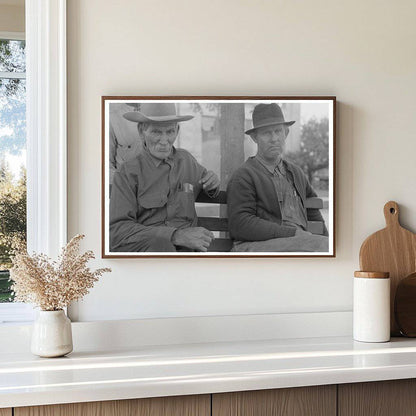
x=392 y=250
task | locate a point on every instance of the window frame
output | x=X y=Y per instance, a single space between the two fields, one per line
x=46 y=126
x=14 y=312
x=12 y=35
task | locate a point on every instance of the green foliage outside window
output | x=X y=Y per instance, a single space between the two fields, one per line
x=12 y=224
x=12 y=144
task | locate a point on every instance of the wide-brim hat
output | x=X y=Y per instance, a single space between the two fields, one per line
x=265 y=115
x=156 y=113
x=134 y=105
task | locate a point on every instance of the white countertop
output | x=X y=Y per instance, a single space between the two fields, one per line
x=200 y=368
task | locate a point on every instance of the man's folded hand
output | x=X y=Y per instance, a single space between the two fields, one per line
x=195 y=238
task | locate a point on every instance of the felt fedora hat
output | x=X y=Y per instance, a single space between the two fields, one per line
x=156 y=113
x=267 y=115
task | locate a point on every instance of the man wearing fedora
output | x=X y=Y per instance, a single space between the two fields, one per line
x=266 y=195
x=152 y=204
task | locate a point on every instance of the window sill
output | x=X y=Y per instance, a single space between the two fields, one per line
x=16 y=313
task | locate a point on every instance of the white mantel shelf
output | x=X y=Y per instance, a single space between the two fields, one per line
x=169 y=370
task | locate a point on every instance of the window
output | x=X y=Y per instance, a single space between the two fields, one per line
x=12 y=167
x=12 y=154
x=45 y=26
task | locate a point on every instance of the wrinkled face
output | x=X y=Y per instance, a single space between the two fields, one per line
x=270 y=141
x=159 y=138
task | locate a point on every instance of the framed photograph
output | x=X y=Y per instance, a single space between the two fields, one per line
x=218 y=177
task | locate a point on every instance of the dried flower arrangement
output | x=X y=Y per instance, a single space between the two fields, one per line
x=52 y=285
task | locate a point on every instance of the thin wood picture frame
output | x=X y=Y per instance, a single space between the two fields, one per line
x=146 y=204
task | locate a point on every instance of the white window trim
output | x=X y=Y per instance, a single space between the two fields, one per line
x=12 y=35
x=13 y=75
x=46 y=125
x=46 y=134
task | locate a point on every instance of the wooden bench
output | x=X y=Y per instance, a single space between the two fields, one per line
x=220 y=224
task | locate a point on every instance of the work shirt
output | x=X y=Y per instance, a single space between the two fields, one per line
x=291 y=205
x=152 y=198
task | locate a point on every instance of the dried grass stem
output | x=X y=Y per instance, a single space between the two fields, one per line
x=53 y=285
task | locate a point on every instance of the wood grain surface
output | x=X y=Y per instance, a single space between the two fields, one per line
x=5 y=412
x=392 y=250
x=160 y=406
x=405 y=305
x=381 y=398
x=300 y=401
x=372 y=275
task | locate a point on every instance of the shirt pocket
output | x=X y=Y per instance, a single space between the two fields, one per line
x=185 y=202
x=152 y=208
x=150 y=201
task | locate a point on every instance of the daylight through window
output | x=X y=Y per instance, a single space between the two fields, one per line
x=12 y=155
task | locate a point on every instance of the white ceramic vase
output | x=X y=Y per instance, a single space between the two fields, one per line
x=52 y=334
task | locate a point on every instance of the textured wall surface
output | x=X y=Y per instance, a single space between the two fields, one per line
x=362 y=52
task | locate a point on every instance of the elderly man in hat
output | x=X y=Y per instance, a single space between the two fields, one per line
x=266 y=195
x=152 y=205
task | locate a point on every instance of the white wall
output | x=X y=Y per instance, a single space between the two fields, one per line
x=361 y=51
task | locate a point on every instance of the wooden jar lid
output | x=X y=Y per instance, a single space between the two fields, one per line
x=374 y=275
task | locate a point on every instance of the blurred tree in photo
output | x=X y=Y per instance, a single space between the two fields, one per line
x=313 y=154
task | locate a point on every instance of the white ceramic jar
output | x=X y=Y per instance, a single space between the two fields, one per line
x=52 y=334
x=371 y=307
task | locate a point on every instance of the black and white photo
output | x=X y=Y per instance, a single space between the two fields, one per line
x=218 y=176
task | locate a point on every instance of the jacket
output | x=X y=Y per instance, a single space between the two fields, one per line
x=253 y=207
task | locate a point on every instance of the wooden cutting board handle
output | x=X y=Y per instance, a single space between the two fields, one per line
x=391 y=214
